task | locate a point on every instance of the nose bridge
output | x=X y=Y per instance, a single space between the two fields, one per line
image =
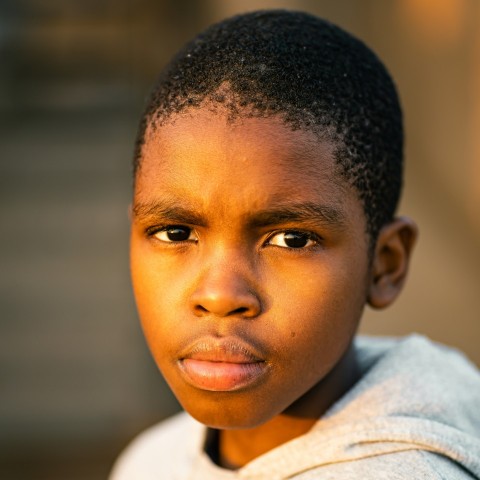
x=225 y=284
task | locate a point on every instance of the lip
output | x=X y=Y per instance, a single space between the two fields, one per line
x=221 y=364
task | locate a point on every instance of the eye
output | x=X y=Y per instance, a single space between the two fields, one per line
x=292 y=239
x=175 y=234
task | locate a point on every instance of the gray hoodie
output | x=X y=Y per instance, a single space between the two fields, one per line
x=414 y=414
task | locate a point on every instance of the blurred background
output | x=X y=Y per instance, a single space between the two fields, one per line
x=76 y=380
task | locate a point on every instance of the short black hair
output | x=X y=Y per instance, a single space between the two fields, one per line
x=314 y=75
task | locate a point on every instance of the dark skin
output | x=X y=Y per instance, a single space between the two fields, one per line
x=251 y=268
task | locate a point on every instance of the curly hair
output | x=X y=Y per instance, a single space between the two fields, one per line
x=310 y=72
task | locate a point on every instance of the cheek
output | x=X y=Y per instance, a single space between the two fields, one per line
x=331 y=288
x=317 y=311
x=157 y=289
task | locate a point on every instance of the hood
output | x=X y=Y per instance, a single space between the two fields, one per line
x=414 y=395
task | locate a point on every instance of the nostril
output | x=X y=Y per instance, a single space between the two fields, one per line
x=200 y=309
x=225 y=300
x=239 y=310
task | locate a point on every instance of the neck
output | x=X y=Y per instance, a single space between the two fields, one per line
x=235 y=448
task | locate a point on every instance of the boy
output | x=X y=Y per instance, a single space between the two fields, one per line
x=267 y=175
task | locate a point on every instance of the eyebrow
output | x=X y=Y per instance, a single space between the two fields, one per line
x=330 y=215
x=168 y=210
x=300 y=212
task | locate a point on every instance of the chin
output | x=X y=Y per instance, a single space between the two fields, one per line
x=226 y=414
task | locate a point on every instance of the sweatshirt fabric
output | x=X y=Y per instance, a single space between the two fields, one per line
x=414 y=414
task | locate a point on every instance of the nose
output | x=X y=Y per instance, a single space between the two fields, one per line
x=222 y=291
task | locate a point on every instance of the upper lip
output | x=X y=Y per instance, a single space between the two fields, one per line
x=225 y=349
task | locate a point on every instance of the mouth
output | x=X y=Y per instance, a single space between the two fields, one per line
x=221 y=364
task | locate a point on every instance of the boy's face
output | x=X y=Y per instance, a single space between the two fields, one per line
x=249 y=261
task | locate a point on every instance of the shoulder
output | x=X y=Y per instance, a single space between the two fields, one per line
x=154 y=453
x=394 y=466
x=414 y=377
x=387 y=356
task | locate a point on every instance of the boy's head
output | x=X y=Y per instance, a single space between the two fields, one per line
x=268 y=169
x=313 y=75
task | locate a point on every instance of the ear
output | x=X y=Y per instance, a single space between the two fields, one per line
x=390 y=261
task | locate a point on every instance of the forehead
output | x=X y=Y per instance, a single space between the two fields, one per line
x=204 y=156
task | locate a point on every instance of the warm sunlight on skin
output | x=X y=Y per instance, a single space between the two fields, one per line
x=250 y=268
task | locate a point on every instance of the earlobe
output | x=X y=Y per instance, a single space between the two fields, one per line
x=391 y=260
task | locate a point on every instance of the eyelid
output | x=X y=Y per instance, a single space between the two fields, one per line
x=313 y=238
x=154 y=231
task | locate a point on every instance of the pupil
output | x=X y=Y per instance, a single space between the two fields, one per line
x=178 y=234
x=296 y=239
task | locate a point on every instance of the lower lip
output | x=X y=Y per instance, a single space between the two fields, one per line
x=221 y=376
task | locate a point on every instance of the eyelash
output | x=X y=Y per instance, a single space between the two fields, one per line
x=153 y=231
x=314 y=239
x=309 y=236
